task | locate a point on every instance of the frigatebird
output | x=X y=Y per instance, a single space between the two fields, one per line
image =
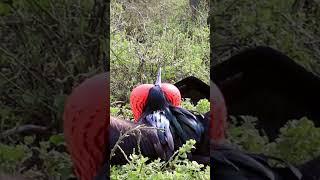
x=158 y=106
x=90 y=134
x=229 y=163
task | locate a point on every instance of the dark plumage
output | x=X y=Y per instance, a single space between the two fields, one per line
x=267 y=84
x=228 y=163
x=175 y=122
x=150 y=143
x=193 y=88
x=311 y=169
x=249 y=73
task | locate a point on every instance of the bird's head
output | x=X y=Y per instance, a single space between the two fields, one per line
x=153 y=97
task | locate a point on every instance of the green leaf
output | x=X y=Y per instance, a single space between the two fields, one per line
x=57 y=139
x=4 y=9
x=28 y=140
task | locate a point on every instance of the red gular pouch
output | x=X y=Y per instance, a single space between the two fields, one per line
x=86 y=122
x=218 y=115
x=139 y=96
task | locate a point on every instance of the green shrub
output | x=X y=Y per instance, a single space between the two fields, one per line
x=47 y=48
x=147 y=35
x=178 y=167
x=297 y=142
x=246 y=136
x=203 y=106
x=36 y=162
x=278 y=24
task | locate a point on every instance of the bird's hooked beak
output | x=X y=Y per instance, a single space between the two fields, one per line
x=158 y=81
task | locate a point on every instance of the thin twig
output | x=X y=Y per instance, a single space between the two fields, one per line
x=13 y=57
x=23 y=90
x=117 y=102
x=126 y=134
x=44 y=10
x=139 y=141
x=124 y=154
x=170 y=159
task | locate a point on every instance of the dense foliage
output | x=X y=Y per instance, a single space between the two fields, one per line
x=298 y=140
x=47 y=47
x=290 y=26
x=36 y=160
x=178 y=167
x=147 y=35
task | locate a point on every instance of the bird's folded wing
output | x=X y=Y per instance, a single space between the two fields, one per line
x=248 y=165
x=190 y=125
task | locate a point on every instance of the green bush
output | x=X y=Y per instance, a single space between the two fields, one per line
x=147 y=35
x=47 y=48
x=246 y=136
x=282 y=25
x=178 y=167
x=297 y=142
x=36 y=162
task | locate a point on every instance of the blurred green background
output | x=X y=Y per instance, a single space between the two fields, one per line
x=47 y=47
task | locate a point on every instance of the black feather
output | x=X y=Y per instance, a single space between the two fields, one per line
x=154 y=115
x=230 y=163
x=189 y=122
x=174 y=121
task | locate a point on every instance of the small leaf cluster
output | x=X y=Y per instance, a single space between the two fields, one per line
x=178 y=167
x=297 y=142
x=37 y=160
